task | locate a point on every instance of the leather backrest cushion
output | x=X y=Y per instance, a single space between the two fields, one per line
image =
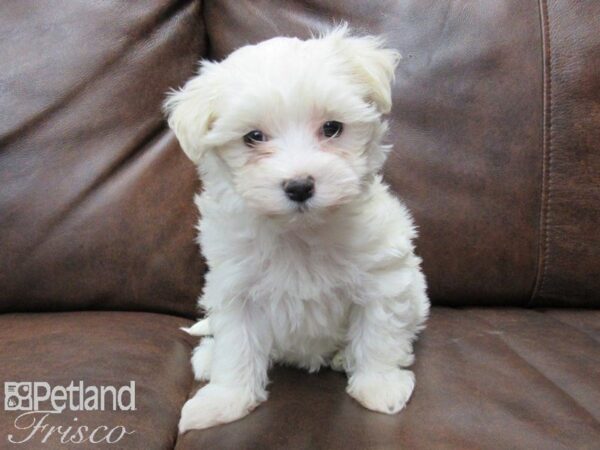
x=569 y=258
x=479 y=145
x=95 y=195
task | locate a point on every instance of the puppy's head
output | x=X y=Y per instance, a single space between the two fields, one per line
x=294 y=126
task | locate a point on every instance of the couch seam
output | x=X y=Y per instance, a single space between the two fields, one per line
x=546 y=189
x=207 y=39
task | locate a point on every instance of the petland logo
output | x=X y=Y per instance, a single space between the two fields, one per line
x=39 y=402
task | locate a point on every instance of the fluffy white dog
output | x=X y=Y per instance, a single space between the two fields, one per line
x=311 y=260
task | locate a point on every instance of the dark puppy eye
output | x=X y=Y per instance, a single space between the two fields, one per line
x=332 y=128
x=255 y=136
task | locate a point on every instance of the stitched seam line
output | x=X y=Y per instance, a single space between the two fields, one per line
x=544 y=239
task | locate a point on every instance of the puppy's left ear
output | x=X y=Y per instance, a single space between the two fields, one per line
x=372 y=63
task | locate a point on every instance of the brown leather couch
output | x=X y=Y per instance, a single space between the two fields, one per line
x=496 y=132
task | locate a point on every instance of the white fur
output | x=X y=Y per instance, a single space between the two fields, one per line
x=335 y=282
x=200 y=328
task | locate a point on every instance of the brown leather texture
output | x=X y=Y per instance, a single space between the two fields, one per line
x=486 y=379
x=569 y=269
x=100 y=348
x=96 y=198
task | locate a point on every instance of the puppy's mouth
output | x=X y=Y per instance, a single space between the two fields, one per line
x=302 y=208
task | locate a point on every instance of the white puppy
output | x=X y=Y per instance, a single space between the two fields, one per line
x=310 y=256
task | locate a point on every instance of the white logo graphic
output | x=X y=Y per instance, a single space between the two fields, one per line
x=38 y=402
x=17 y=396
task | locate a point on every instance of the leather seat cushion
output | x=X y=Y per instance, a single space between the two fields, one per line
x=486 y=378
x=502 y=378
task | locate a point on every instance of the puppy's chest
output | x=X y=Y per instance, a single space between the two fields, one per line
x=306 y=290
x=307 y=327
x=292 y=269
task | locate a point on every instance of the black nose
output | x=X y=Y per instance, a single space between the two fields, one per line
x=300 y=189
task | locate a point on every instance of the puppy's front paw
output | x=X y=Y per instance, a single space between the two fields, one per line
x=385 y=392
x=213 y=405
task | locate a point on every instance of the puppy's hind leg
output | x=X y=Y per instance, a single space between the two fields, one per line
x=238 y=373
x=202 y=359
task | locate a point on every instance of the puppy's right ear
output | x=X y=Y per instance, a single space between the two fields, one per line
x=190 y=112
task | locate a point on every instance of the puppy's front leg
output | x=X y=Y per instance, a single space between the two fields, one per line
x=382 y=330
x=238 y=375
